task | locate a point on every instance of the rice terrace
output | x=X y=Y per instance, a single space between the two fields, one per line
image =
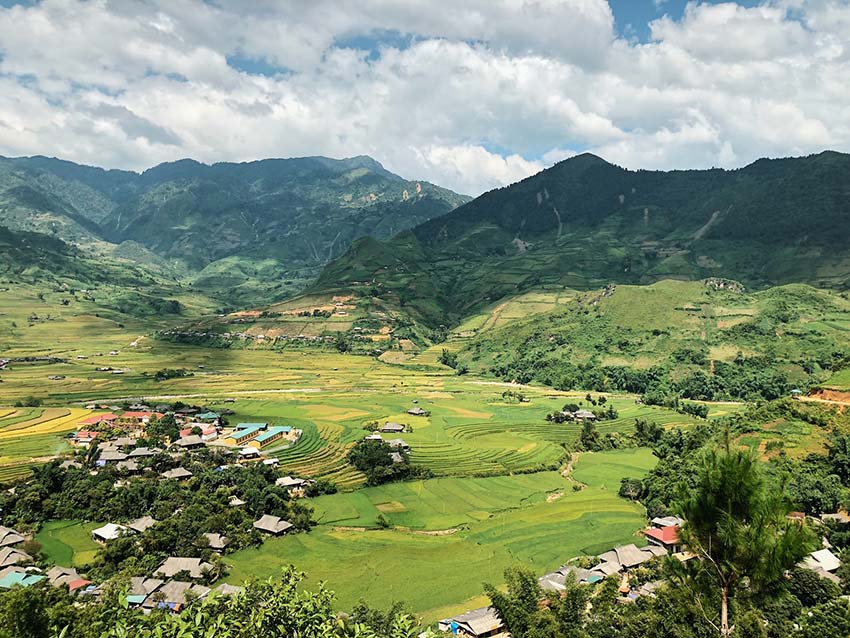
x=497 y=497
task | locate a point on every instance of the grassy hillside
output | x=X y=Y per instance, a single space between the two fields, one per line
x=702 y=339
x=585 y=223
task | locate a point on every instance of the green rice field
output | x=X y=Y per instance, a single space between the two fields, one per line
x=450 y=535
x=497 y=497
x=68 y=543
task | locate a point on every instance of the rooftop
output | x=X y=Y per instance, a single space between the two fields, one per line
x=175 y=564
x=273 y=432
x=667 y=535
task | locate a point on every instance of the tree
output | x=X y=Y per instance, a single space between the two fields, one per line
x=810 y=589
x=738 y=530
x=589 y=438
x=23 y=614
x=630 y=488
x=511 y=396
x=647 y=433
x=830 y=619
x=520 y=608
x=839 y=455
x=343 y=344
x=448 y=358
x=521 y=601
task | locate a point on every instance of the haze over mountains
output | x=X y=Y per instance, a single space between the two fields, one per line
x=244 y=233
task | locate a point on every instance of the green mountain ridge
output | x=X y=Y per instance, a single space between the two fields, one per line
x=584 y=223
x=271 y=223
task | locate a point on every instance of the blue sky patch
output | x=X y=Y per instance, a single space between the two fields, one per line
x=632 y=17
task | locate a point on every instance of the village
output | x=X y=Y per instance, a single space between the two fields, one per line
x=137 y=442
x=637 y=570
x=179 y=581
x=121 y=442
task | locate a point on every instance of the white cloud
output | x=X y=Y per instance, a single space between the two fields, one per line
x=484 y=93
x=474 y=168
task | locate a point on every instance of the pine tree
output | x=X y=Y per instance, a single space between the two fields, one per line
x=738 y=530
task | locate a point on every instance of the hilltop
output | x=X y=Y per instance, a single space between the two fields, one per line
x=585 y=223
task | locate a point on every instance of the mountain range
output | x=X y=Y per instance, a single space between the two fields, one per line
x=244 y=233
x=250 y=234
x=585 y=223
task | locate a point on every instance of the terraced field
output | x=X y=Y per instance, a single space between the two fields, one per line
x=29 y=436
x=471 y=431
x=454 y=534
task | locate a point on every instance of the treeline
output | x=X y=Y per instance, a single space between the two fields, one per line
x=382 y=463
x=746 y=378
x=815 y=484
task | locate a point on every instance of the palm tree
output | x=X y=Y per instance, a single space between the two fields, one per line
x=738 y=530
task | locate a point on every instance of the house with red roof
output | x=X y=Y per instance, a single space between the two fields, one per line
x=208 y=432
x=666 y=537
x=83 y=438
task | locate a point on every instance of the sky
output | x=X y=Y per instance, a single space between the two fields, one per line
x=468 y=94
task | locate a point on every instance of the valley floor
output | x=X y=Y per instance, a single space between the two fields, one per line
x=477 y=528
x=498 y=497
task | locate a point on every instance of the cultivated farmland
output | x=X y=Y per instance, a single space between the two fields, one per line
x=455 y=533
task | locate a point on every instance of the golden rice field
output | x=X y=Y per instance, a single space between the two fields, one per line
x=29 y=436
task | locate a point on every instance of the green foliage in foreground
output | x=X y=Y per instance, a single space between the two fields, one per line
x=737 y=527
x=276 y=608
x=582 y=611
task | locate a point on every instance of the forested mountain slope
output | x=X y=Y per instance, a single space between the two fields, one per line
x=248 y=232
x=585 y=223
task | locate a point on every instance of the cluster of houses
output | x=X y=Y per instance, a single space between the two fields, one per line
x=199 y=428
x=16 y=569
x=662 y=538
x=172 y=585
x=182 y=335
x=580 y=415
x=398 y=445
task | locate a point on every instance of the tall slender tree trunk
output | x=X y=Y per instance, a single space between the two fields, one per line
x=725 y=632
